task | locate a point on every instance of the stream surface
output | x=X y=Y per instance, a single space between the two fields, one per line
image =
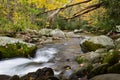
x=55 y=55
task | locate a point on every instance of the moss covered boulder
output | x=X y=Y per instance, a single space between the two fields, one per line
x=114 y=68
x=90 y=57
x=101 y=69
x=97 y=42
x=111 y=57
x=10 y=47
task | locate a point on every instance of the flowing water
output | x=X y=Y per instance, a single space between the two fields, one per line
x=55 y=56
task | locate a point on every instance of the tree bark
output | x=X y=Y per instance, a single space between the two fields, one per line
x=51 y=17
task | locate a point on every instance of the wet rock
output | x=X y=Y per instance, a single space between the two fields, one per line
x=66 y=73
x=107 y=77
x=10 y=47
x=40 y=74
x=57 y=33
x=82 y=72
x=97 y=42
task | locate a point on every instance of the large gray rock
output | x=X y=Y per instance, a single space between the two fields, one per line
x=10 y=47
x=97 y=42
x=107 y=77
x=57 y=33
x=8 y=40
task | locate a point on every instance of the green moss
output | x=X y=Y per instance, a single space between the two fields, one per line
x=80 y=59
x=16 y=50
x=114 y=69
x=111 y=57
x=90 y=46
x=101 y=69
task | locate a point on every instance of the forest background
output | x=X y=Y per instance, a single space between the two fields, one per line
x=92 y=15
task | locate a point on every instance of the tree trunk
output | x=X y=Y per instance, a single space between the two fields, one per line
x=51 y=18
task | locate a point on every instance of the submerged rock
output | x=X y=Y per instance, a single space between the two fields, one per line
x=97 y=42
x=10 y=47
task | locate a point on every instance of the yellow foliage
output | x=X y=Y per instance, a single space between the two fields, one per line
x=79 y=0
x=51 y=6
x=15 y=17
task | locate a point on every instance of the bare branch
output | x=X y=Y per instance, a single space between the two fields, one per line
x=67 y=6
x=86 y=10
x=88 y=7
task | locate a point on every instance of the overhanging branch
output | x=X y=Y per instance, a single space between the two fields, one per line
x=65 y=6
x=86 y=10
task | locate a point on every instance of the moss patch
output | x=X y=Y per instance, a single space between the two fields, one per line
x=111 y=57
x=90 y=46
x=16 y=50
x=80 y=59
x=102 y=69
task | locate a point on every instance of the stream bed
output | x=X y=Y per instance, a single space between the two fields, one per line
x=55 y=56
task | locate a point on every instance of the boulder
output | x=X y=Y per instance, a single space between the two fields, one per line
x=107 y=77
x=57 y=33
x=97 y=42
x=81 y=73
x=91 y=57
x=11 y=47
x=100 y=69
x=41 y=74
x=45 y=32
x=111 y=57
